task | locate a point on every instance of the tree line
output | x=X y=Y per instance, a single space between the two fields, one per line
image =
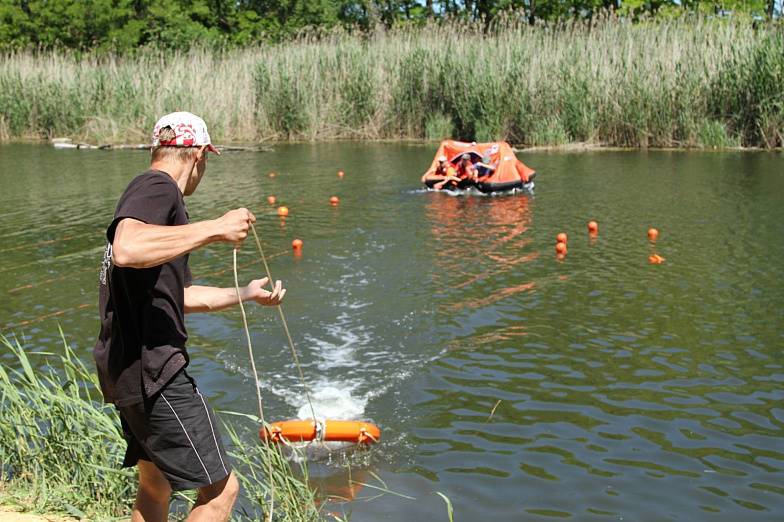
x=124 y=25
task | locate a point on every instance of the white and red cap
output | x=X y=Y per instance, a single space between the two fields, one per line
x=189 y=131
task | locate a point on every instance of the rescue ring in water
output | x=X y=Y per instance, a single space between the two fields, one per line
x=357 y=432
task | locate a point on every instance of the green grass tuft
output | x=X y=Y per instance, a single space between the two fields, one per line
x=59 y=445
x=713 y=135
x=61 y=448
x=438 y=127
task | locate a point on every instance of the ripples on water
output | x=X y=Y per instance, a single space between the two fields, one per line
x=600 y=387
x=627 y=390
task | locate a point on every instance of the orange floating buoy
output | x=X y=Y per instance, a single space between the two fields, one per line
x=653 y=234
x=283 y=211
x=334 y=200
x=296 y=244
x=357 y=432
x=593 y=227
x=272 y=174
x=560 y=248
x=560 y=257
x=341 y=174
x=655 y=259
x=271 y=200
x=561 y=238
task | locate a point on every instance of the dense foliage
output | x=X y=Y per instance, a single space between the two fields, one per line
x=696 y=82
x=125 y=25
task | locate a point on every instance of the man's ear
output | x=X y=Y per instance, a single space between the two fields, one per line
x=201 y=152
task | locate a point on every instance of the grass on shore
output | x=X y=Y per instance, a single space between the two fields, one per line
x=61 y=448
x=687 y=82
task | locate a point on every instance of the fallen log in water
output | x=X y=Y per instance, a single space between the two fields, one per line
x=65 y=143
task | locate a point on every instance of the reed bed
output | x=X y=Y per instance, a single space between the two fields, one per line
x=687 y=82
x=61 y=448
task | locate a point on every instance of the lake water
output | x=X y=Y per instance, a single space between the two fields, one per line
x=600 y=387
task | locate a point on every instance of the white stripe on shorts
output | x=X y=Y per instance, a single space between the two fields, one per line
x=189 y=439
x=217 y=448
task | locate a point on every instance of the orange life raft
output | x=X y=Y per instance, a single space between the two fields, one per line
x=509 y=172
x=357 y=432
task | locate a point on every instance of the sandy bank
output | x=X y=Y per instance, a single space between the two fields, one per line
x=9 y=514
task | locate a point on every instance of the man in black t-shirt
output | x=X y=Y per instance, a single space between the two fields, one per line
x=145 y=291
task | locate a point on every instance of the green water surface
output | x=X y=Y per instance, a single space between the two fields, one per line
x=599 y=387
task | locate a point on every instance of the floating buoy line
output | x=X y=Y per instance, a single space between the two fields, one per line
x=292 y=431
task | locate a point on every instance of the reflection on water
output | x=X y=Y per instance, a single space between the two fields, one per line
x=600 y=387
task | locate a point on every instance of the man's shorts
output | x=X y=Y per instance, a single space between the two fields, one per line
x=177 y=432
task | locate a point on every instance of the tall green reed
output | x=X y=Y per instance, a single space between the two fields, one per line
x=283 y=497
x=607 y=81
x=58 y=444
x=61 y=447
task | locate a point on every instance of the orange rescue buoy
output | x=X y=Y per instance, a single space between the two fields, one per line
x=560 y=248
x=357 y=432
x=561 y=238
x=283 y=211
x=296 y=244
x=593 y=227
x=334 y=200
x=655 y=259
x=341 y=174
x=653 y=234
x=271 y=200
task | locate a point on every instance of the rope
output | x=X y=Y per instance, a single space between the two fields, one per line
x=285 y=325
x=255 y=381
x=252 y=360
x=247 y=338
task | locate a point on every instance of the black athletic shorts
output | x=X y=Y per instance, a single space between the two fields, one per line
x=177 y=432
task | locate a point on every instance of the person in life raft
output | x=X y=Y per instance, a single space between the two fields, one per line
x=444 y=175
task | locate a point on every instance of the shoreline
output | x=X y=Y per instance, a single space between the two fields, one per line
x=10 y=513
x=14 y=509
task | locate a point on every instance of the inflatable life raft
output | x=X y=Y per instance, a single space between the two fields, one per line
x=356 y=432
x=510 y=173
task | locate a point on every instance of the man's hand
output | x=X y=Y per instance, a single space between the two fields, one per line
x=233 y=225
x=255 y=292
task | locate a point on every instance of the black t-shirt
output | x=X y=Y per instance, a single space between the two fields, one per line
x=141 y=346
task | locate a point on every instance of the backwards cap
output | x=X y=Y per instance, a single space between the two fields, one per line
x=189 y=131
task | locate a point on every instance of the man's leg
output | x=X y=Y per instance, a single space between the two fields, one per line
x=215 y=501
x=152 y=499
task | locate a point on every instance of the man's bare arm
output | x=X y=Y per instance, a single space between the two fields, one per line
x=140 y=245
x=210 y=298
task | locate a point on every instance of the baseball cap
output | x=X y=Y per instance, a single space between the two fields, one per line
x=189 y=131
